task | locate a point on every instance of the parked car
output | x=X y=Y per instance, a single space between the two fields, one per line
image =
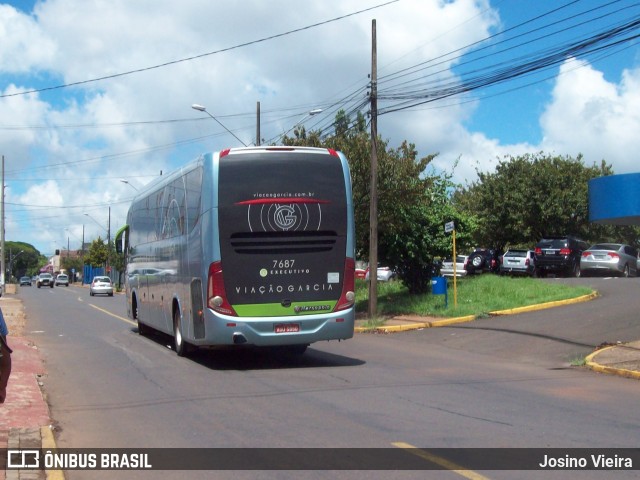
x=361 y=269
x=518 y=262
x=101 y=286
x=62 y=279
x=26 y=281
x=482 y=260
x=610 y=258
x=384 y=274
x=446 y=270
x=559 y=255
x=45 y=280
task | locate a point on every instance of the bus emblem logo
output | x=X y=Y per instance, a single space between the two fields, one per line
x=290 y=214
x=285 y=217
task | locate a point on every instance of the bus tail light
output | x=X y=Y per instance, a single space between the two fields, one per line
x=216 y=294
x=348 y=296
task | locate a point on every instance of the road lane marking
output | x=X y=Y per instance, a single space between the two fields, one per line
x=443 y=462
x=114 y=315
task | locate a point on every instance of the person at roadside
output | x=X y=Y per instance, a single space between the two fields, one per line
x=5 y=358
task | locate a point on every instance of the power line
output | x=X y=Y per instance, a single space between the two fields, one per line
x=525 y=65
x=195 y=57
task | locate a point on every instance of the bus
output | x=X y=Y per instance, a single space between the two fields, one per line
x=247 y=246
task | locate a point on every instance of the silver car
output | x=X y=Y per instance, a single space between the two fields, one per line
x=101 y=285
x=520 y=262
x=610 y=258
x=447 y=267
x=384 y=274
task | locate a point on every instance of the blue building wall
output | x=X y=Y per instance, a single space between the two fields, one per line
x=615 y=199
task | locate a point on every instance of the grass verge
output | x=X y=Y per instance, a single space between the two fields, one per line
x=477 y=295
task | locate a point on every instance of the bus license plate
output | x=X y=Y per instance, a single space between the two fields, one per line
x=286 y=327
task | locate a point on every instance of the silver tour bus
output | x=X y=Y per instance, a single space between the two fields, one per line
x=247 y=246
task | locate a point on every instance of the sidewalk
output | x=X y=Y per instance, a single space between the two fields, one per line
x=24 y=417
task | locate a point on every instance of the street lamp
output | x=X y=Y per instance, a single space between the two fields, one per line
x=128 y=183
x=11 y=260
x=201 y=108
x=310 y=113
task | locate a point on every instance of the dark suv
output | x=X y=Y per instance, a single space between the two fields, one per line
x=482 y=260
x=559 y=255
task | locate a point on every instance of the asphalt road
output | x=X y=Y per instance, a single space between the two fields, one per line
x=498 y=382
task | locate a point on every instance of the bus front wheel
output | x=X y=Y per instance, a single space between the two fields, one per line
x=142 y=329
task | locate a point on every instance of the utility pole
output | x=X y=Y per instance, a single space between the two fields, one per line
x=258 y=125
x=373 y=190
x=109 y=243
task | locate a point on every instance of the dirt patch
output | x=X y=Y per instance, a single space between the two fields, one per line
x=13 y=312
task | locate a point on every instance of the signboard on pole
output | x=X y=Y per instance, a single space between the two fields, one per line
x=450 y=227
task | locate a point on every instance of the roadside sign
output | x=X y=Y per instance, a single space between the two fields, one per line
x=449 y=227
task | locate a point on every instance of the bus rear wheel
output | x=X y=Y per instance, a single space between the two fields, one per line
x=179 y=344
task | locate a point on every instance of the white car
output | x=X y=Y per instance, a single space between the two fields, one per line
x=518 y=262
x=62 y=279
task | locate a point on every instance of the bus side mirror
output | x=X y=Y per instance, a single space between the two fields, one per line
x=121 y=239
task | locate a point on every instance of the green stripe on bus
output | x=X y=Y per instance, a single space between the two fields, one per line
x=277 y=310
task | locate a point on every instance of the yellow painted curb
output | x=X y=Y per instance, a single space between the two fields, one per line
x=415 y=325
x=471 y=318
x=49 y=443
x=596 y=367
x=543 y=306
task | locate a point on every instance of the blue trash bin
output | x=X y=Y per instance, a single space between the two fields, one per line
x=439 y=287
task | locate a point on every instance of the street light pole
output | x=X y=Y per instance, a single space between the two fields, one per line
x=128 y=183
x=201 y=108
x=310 y=113
x=12 y=258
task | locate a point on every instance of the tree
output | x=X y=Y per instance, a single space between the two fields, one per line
x=419 y=237
x=97 y=254
x=532 y=196
x=25 y=263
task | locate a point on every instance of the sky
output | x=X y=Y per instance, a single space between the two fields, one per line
x=96 y=95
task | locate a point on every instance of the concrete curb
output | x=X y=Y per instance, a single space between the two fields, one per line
x=415 y=325
x=597 y=367
x=49 y=443
x=544 y=306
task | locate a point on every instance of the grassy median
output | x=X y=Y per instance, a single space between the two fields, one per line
x=477 y=295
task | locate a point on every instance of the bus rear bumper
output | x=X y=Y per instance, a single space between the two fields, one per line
x=267 y=332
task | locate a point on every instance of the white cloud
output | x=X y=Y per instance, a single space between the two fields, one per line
x=590 y=115
x=23 y=43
